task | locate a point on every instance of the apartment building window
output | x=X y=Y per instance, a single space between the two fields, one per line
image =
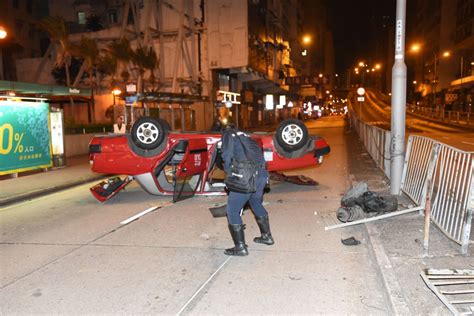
x=18 y=26
x=81 y=18
x=29 y=6
x=15 y=4
x=113 y=17
x=31 y=31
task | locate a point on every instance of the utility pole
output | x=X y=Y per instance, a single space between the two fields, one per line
x=399 y=93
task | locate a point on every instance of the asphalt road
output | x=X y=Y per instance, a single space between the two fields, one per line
x=66 y=253
x=376 y=110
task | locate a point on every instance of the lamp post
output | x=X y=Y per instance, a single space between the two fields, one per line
x=415 y=48
x=3 y=35
x=115 y=93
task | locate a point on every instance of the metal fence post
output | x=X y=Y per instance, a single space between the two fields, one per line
x=466 y=231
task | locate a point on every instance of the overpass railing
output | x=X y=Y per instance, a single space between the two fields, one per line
x=457 y=117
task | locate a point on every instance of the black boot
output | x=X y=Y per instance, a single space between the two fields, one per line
x=264 y=226
x=237 y=233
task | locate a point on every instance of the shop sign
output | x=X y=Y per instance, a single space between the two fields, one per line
x=451 y=97
x=131 y=88
x=24 y=136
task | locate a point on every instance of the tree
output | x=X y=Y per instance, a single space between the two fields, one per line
x=56 y=29
x=120 y=51
x=88 y=50
x=145 y=59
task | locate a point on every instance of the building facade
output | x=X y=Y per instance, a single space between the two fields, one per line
x=443 y=64
x=199 y=51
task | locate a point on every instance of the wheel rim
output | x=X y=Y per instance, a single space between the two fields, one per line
x=147 y=133
x=292 y=134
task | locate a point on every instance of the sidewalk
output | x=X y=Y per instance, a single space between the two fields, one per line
x=25 y=187
x=398 y=246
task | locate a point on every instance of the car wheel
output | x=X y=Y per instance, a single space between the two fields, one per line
x=292 y=135
x=165 y=124
x=149 y=133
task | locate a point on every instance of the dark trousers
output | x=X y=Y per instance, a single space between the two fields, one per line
x=237 y=201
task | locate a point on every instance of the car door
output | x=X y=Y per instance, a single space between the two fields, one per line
x=189 y=172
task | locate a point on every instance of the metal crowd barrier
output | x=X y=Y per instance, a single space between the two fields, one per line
x=433 y=171
x=420 y=161
x=444 y=175
x=453 y=194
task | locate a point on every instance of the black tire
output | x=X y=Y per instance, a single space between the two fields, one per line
x=166 y=125
x=148 y=133
x=292 y=135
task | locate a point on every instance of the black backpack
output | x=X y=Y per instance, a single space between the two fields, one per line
x=243 y=173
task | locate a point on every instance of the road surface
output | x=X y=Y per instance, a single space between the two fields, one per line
x=376 y=110
x=66 y=253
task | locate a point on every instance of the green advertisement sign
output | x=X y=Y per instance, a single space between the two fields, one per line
x=24 y=136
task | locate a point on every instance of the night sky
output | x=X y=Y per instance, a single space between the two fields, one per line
x=357 y=27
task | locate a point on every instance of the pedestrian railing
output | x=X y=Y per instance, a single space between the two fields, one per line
x=458 y=117
x=436 y=177
x=377 y=142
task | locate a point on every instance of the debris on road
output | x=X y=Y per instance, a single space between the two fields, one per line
x=299 y=179
x=360 y=205
x=453 y=287
x=351 y=241
x=218 y=210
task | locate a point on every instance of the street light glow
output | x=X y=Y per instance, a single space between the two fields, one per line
x=415 y=48
x=361 y=64
x=378 y=66
x=116 y=91
x=446 y=54
x=320 y=75
x=304 y=53
x=306 y=39
x=3 y=32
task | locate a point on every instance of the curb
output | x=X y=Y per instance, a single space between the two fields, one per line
x=393 y=292
x=46 y=191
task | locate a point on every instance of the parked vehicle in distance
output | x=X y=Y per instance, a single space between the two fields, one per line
x=184 y=164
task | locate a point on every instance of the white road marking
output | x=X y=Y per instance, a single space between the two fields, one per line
x=467 y=143
x=202 y=286
x=137 y=216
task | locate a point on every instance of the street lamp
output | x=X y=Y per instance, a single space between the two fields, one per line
x=115 y=93
x=415 y=48
x=306 y=39
x=3 y=35
x=3 y=32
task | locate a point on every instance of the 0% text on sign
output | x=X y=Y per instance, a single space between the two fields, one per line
x=10 y=140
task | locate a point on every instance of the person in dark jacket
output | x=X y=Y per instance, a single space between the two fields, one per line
x=232 y=149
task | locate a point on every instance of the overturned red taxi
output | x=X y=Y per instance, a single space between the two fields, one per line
x=189 y=163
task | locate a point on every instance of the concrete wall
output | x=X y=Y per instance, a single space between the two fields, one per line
x=76 y=145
